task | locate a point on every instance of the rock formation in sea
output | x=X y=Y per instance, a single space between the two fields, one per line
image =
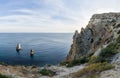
x=101 y=30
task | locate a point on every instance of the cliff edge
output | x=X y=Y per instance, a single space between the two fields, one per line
x=101 y=30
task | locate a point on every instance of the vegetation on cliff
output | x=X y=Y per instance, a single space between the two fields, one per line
x=102 y=29
x=47 y=72
x=4 y=76
x=118 y=39
x=99 y=63
x=72 y=63
x=93 y=70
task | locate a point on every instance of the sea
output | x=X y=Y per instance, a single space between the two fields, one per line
x=49 y=48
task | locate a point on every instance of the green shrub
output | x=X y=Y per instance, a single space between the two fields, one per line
x=94 y=76
x=99 y=41
x=118 y=32
x=118 y=39
x=94 y=59
x=112 y=46
x=108 y=52
x=95 y=69
x=47 y=72
x=64 y=63
x=2 y=63
x=105 y=55
x=49 y=65
x=34 y=67
x=72 y=63
x=84 y=59
x=69 y=64
x=118 y=26
x=4 y=76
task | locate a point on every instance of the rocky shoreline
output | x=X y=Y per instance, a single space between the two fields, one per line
x=33 y=71
x=61 y=71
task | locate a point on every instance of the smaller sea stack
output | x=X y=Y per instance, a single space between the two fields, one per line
x=32 y=52
x=18 y=48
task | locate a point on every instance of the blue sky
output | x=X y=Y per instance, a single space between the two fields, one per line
x=51 y=15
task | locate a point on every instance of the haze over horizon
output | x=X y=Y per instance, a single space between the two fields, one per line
x=51 y=15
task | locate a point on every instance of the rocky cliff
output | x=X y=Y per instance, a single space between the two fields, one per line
x=101 y=30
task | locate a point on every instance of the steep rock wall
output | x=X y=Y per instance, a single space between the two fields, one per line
x=101 y=29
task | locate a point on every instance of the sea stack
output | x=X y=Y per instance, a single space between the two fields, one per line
x=18 y=48
x=32 y=52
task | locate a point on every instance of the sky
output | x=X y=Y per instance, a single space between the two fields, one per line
x=51 y=15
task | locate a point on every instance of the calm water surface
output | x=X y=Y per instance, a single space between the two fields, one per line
x=50 y=48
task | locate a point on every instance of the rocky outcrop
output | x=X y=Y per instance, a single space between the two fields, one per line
x=101 y=29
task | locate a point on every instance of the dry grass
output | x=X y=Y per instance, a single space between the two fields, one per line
x=93 y=69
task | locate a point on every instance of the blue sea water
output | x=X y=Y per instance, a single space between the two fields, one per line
x=50 y=48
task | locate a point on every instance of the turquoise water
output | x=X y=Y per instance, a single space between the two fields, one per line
x=50 y=48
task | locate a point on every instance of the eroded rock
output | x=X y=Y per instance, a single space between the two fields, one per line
x=101 y=29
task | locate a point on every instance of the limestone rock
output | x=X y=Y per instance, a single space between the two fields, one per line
x=101 y=29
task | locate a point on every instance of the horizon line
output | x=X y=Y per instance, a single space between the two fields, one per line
x=36 y=32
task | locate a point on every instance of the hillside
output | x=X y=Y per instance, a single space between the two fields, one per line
x=101 y=30
x=98 y=46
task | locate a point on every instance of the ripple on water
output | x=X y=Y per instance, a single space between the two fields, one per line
x=49 y=48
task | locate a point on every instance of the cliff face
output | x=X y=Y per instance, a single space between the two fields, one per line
x=101 y=29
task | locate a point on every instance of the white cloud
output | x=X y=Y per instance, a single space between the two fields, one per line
x=70 y=15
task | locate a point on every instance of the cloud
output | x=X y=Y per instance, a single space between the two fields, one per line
x=51 y=15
